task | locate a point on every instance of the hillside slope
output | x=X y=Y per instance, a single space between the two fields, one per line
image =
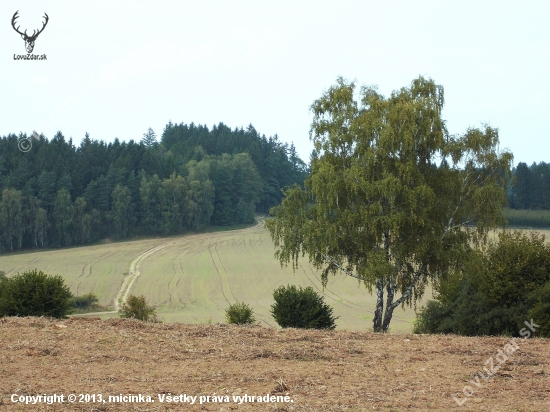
x=194 y=278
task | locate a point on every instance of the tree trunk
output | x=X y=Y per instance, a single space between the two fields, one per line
x=390 y=287
x=379 y=306
x=380 y=326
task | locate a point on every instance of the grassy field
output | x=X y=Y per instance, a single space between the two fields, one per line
x=99 y=269
x=194 y=281
x=194 y=278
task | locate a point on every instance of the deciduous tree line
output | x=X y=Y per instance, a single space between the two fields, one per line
x=59 y=195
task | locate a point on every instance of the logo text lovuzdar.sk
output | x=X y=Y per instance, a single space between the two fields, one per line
x=29 y=40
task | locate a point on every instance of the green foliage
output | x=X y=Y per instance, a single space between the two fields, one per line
x=34 y=293
x=149 y=138
x=58 y=194
x=495 y=292
x=122 y=210
x=277 y=163
x=539 y=301
x=137 y=307
x=531 y=187
x=393 y=199
x=239 y=314
x=238 y=187
x=301 y=308
x=85 y=302
x=470 y=315
x=11 y=218
x=63 y=217
x=515 y=265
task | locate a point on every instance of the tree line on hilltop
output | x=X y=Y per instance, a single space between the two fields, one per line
x=531 y=188
x=58 y=194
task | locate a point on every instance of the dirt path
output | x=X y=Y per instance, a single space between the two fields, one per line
x=134 y=273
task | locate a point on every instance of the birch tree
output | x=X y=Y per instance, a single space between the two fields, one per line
x=392 y=199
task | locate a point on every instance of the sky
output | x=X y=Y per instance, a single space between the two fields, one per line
x=116 y=68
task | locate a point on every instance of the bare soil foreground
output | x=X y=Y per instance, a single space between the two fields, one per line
x=315 y=370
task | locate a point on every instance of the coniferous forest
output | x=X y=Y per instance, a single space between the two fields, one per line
x=58 y=194
x=531 y=189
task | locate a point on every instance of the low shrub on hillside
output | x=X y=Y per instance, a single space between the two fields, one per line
x=85 y=303
x=496 y=292
x=34 y=293
x=301 y=308
x=137 y=307
x=239 y=314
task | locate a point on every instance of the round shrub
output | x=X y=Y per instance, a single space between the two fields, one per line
x=495 y=292
x=301 y=308
x=34 y=293
x=137 y=307
x=239 y=314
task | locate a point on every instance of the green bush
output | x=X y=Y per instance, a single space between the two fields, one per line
x=136 y=307
x=494 y=295
x=239 y=314
x=85 y=302
x=34 y=293
x=301 y=308
x=540 y=310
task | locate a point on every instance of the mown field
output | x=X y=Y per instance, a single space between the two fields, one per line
x=99 y=269
x=318 y=370
x=194 y=281
x=194 y=278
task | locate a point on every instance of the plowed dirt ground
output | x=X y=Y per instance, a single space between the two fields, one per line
x=317 y=370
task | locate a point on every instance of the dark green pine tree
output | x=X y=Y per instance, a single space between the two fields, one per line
x=522 y=187
x=149 y=138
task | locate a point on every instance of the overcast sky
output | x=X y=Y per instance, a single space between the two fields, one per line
x=116 y=68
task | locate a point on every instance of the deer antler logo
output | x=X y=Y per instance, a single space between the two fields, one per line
x=29 y=40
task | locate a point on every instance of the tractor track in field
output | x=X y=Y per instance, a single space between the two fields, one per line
x=134 y=273
x=90 y=266
x=21 y=267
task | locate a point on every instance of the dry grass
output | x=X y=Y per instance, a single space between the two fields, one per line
x=320 y=370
